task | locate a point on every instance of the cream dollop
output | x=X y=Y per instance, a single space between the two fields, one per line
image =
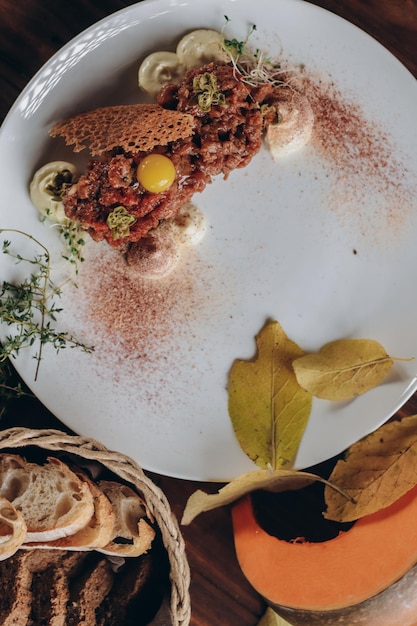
x=46 y=187
x=196 y=48
x=189 y=226
x=159 y=69
x=294 y=127
x=200 y=47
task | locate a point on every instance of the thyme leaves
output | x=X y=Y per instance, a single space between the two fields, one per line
x=73 y=237
x=11 y=388
x=29 y=308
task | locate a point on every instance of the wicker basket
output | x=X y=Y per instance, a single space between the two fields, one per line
x=126 y=469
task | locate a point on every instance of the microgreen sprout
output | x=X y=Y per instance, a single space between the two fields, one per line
x=253 y=66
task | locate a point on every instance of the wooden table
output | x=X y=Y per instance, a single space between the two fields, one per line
x=30 y=32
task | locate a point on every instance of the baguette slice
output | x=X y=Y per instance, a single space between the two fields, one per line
x=132 y=534
x=53 y=501
x=13 y=529
x=98 y=531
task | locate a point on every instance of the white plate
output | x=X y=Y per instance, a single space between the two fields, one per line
x=283 y=242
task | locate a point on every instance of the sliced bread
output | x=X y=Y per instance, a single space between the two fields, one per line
x=52 y=499
x=134 y=598
x=98 y=531
x=49 y=597
x=13 y=529
x=132 y=535
x=16 y=574
x=87 y=592
x=50 y=585
x=15 y=594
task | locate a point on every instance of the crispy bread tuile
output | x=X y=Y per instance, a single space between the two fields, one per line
x=135 y=128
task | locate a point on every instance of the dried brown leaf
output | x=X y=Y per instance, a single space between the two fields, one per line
x=376 y=471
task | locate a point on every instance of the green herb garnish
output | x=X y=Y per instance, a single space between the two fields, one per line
x=234 y=46
x=73 y=237
x=29 y=307
x=253 y=66
x=11 y=388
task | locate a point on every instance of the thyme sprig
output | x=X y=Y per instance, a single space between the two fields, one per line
x=29 y=307
x=11 y=388
x=73 y=237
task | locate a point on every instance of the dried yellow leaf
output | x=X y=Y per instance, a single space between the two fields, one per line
x=343 y=369
x=376 y=472
x=268 y=408
x=275 y=481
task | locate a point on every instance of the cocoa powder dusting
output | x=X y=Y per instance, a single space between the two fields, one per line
x=143 y=327
x=369 y=184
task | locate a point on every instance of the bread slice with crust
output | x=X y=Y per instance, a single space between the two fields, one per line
x=13 y=529
x=96 y=533
x=15 y=593
x=134 y=597
x=16 y=574
x=132 y=534
x=50 y=585
x=87 y=592
x=53 y=500
x=49 y=597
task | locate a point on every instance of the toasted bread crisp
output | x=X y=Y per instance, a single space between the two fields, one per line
x=135 y=128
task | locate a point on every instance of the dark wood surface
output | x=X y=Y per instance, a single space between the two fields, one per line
x=30 y=32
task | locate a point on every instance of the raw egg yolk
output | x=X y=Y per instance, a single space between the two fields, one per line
x=156 y=173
